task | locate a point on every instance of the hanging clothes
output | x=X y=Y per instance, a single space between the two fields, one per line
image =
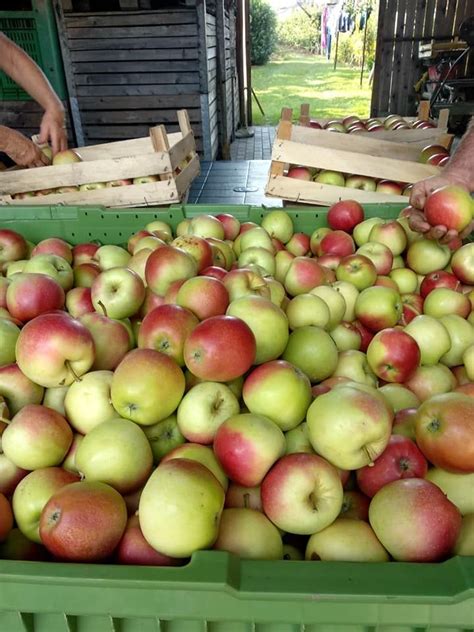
x=324 y=24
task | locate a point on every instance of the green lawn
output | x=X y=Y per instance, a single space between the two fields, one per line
x=291 y=79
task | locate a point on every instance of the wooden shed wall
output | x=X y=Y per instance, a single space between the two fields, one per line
x=402 y=26
x=130 y=70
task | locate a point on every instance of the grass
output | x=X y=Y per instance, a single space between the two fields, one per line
x=290 y=79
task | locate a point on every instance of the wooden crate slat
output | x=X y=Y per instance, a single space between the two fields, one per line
x=350 y=162
x=124 y=18
x=137 y=90
x=141 y=54
x=323 y=194
x=417 y=137
x=135 y=79
x=83 y=68
x=184 y=179
x=152 y=117
x=365 y=144
x=131 y=43
x=122 y=132
x=129 y=32
x=159 y=103
x=395 y=75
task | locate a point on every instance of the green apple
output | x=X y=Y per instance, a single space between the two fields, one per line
x=260 y=257
x=54 y=398
x=465 y=542
x=297 y=440
x=468 y=361
x=111 y=256
x=268 y=323
x=350 y=425
x=406 y=280
x=201 y=454
x=350 y=294
x=457 y=487
x=399 y=397
x=31 y=495
x=428 y=381
x=362 y=231
x=346 y=540
x=147 y=386
x=87 y=402
x=353 y=364
x=202 y=410
x=116 y=452
x=117 y=293
x=249 y=534
x=206 y=226
x=280 y=391
x=461 y=333
x=178 y=494
x=256 y=238
x=432 y=337
x=334 y=300
x=278 y=224
x=307 y=309
x=426 y=255
x=54 y=266
x=346 y=336
x=312 y=350
x=283 y=259
x=164 y=437
x=14 y=267
x=277 y=291
x=9 y=333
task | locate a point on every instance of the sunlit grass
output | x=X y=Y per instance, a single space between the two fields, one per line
x=291 y=79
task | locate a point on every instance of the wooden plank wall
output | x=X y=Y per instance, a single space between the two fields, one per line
x=231 y=82
x=402 y=25
x=134 y=69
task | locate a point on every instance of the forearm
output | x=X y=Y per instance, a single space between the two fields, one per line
x=25 y=72
x=6 y=139
x=461 y=164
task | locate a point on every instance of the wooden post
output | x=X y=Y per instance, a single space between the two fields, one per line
x=337 y=46
x=159 y=140
x=363 y=50
x=240 y=62
x=70 y=83
x=224 y=140
x=443 y=118
x=424 y=110
x=304 y=114
x=248 y=59
x=283 y=133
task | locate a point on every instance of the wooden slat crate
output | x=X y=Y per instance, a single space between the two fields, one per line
x=346 y=153
x=160 y=154
x=417 y=137
x=433 y=48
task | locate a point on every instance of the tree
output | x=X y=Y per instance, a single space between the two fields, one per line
x=262 y=31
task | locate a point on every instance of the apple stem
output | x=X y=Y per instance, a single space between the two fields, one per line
x=69 y=367
x=102 y=306
x=247 y=501
x=5 y=420
x=369 y=456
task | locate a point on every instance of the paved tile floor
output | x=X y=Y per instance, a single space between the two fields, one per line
x=242 y=179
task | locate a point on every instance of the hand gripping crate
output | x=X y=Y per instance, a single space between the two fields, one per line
x=171 y=157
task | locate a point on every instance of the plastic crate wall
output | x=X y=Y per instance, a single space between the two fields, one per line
x=23 y=32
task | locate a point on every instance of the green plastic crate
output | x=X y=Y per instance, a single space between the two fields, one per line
x=217 y=592
x=82 y=223
x=34 y=31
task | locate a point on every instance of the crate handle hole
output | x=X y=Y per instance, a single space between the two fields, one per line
x=102 y=216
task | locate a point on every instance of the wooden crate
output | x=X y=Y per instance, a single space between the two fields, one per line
x=159 y=154
x=346 y=153
x=417 y=137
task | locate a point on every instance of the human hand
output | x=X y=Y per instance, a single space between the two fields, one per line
x=52 y=130
x=23 y=151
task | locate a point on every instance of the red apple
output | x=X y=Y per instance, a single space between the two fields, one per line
x=214 y=271
x=6 y=517
x=231 y=225
x=389 y=187
x=204 y=296
x=53 y=246
x=84 y=253
x=83 y=522
x=220 y=349
x=355 y=505
x=450 y=206
x=404 y=422
x=111 y=340
x=412 y=306
x=166 y=265
x=134 y=549
x=31 y=294
x=79 y=302
x=300 y=173
x=17 y=389
x=400 y=459
x=431 y=150
x=85 y=274
x=393 y=355
x=337 y=243
x=12 y=246
x=437 y=279
x=165 y=329
x=197 y=247
x=415 y=521
x=345 y=215
x=444 y=431
x=303 y=275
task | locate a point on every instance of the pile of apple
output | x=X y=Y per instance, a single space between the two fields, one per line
x=70 y=156
x=252 y=389
x=354 y=124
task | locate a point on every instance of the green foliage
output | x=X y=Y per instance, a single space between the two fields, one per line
x=301 y=31
x=351 y=45
x=262 y=31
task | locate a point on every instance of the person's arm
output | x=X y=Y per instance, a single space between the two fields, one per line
x=25 y=72
x=20 y=149
x=459 y=171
